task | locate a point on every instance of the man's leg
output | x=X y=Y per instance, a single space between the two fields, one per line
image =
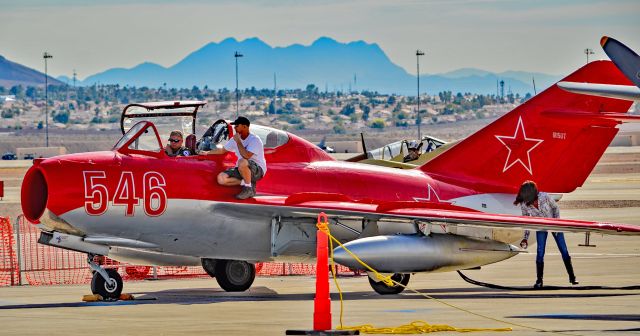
x=226 y=180
x=245 y=172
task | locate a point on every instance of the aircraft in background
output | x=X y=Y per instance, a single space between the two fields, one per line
x=629 y=64
x=136 y=204
x=324 y=147
x=392 y=155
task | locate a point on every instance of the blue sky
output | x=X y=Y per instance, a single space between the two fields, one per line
x=495 y=35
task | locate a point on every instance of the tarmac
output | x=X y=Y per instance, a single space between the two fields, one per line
x=276 y=304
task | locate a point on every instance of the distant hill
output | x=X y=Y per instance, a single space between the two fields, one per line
x=12 y=74
x=327 y=63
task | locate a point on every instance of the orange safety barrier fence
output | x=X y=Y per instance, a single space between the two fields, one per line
x=8 y=261
x=48 y=265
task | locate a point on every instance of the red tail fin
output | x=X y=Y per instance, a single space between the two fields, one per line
x=555 y=139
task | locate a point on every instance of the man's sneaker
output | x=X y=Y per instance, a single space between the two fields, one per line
x=247 y=191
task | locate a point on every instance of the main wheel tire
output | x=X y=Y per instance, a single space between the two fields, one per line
x=382 y=289
x=235 y=275
x=108 y=290
x=209 y=266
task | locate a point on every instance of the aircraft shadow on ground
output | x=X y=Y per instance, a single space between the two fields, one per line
x=194 y=296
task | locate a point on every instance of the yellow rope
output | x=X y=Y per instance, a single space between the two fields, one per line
x=415 y=327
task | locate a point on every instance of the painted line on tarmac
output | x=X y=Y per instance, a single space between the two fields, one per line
x=587 y=255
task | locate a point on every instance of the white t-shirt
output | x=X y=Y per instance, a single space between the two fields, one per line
x=252 y=144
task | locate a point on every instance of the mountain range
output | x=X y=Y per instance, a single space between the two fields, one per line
x=12 y=74
x=327 y=63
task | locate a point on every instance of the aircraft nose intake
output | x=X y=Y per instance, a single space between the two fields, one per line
x=34 y=194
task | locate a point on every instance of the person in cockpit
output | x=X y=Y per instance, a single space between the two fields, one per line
x=414 y=151
x=174 y=147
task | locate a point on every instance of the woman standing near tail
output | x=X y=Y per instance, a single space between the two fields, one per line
x=540 y=204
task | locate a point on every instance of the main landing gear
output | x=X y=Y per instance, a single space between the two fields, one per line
x=105 y=282
x=232 y=275
x=382 y=288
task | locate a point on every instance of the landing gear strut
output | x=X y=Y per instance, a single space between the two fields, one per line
x=382 y=289
x=105 y=282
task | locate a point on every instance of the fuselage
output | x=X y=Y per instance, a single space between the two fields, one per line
x=177 y=205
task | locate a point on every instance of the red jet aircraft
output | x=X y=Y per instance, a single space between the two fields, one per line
x=134 y=203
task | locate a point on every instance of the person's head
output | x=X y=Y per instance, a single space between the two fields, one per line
x=413 y=146
x=241 y=125
x=175 y=139
x=527 y=194
x=414 y=149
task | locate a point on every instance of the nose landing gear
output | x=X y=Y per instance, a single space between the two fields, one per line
x=105 y=282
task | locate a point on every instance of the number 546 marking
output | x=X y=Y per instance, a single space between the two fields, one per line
x=96 y=194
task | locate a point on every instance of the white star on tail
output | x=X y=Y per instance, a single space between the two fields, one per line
x=519 y=147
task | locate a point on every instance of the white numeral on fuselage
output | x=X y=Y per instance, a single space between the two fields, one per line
x=96 y=194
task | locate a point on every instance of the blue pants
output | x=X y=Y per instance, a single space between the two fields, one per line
x=541 y=236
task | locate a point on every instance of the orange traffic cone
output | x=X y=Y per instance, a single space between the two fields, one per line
x=322 y=301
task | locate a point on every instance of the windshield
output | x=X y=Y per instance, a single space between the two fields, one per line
x=127 y=136
x=387 y=152
x=392 y=150
x=146 y=140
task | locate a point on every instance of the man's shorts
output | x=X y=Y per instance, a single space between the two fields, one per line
x=256 y=172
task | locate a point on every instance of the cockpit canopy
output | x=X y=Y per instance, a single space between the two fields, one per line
x=145 y=125
x=166 y=116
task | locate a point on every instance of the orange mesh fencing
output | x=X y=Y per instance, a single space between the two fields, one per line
x=8 y=261
x=48 y=265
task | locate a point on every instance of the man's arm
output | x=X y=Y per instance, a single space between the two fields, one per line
x=243 y=151
x=214 y=151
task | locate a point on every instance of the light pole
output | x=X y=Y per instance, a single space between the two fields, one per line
x=588 y=52
x=418 y=119
x=237 y=55
x=46 y=56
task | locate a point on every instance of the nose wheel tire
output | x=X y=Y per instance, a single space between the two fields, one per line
x=235 y=275
x=108 y=290
x=382 y=289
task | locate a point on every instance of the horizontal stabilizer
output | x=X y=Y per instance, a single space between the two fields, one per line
x=615 y=116
x=624 y=58
x=626 y=92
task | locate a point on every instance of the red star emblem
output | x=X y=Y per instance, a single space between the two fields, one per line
x=519 y=147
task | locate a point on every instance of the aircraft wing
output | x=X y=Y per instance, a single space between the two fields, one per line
x=335 y=205
x=626 y=92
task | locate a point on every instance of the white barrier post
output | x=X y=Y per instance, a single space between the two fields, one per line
x=18 y=247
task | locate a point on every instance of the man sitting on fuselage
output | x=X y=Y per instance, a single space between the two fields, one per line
x=251 y=165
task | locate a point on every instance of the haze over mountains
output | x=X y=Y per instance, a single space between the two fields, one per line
x=326 y=63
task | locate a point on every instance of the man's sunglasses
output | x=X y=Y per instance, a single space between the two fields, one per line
x=174 y=140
